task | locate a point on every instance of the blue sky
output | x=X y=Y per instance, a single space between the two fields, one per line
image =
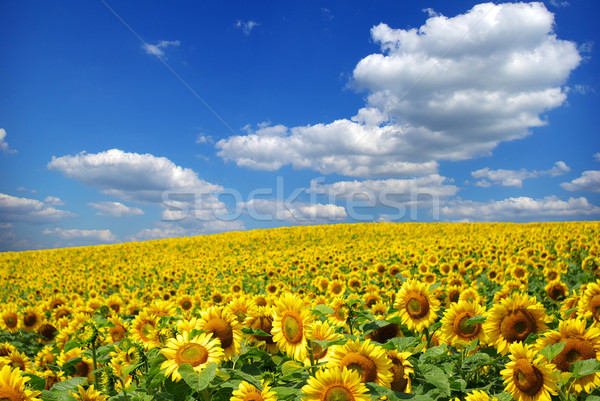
x=135 y=120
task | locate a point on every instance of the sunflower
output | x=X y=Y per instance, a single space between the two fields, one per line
x=368 y=359
x=83 y=368
x=512 y=320
x=336 y=287
x=589 y=305
x=526 y=376
x=384 y=333
x=581 y=344
x=335 y=384
x=556 y=290
x=31 y=318
x=455 y=329
x=142 y=328
x=341 y=312
x=401 y=371
x=248 y=392
x=90 y=394
x=262 y=319
x=19 y=360
x=6 y=348
x=51 y=378
x=9 y=318
x=416 y=306
x=45 y=357
x=479 y=395
x=118 y=330
x=240 y=307
x=47 y=332
x=291 y=326
x=225 y=327
x=321 y=331
x=12 y=386
x=198 y=352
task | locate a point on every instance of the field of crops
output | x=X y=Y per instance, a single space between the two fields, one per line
x=338 y=313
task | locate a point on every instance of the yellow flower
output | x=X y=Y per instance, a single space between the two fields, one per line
x=223 y=326
x=248 y=392
x=262 y=319
x=401 y=370
x=335 y=384
x=291 y=326
x=90 y=394
x=321 y=331
x=512 y=320
x=9 y=318
x=455 y=329
x=416 y=306
x=368 y=359
x=526 y=377
x=12 y=386
x=581 y=344
x=198 y=352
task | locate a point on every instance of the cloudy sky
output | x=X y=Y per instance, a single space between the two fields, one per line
x=135 y=120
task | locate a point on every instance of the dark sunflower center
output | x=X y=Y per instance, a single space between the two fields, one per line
x=337 y=393
x=382 y=334
x=417 y=306
x=30 y=319
x=527 y=377
x=336 y=289
x=11 y=321
x=221 y=329
x=575 y=350
x=117 y=333
x=342 y=313
x=517 y=325
x=463 y=328
x=47 y=331
x=556 y=292
x=362 y=365
x=82 y=369
x=186 y=305
x=399 y=382
x=194 y=354
x=263 y=323
x=292 y=327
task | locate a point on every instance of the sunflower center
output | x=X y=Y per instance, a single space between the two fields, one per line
x=11 y=321
x=10 y=394
x=517 y=325
x=30 y=319
x=362 y=365
x=399 y=382
x=382 y=334
x=186 y=305
x=527 y=377
x=82 y=369
x=145 y=330
x=595 y=307
x=221 y=329
x=47 y=330
x=556 y=292
x=574 y=350
x=253 y=396
x=192 y=353
x=292 y=327
x=342 y=313
x=463 y=328
x=417 y=306
x=264 y=323
x=337 y=393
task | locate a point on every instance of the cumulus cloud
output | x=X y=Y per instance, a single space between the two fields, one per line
x=159 y=48
x=597 y=156
x=246 y=26
x=452 y=89
x=3 y=144
x=588 y=182
x=13 y=209
x=519 y=209
x=131 y=176
x=115 y=209
x=296 y=212
x=53 y=200
x=514 y=178
x=89 y=235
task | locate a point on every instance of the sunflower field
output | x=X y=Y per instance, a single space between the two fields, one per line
x=356 y=312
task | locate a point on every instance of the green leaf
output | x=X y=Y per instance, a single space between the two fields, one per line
x=436 y=377
x=70 y=345
x=401 y=343
x=380 y=391
x=57 y=396
x=434 y=352
x=583 y=368
x=322 y=309
x=245 y=376
x=198 y=381
x=254 y=332
x=69 y=384
x=476 y=319
x=128 y=369
x=285 y=391
x=434 y=285
x=503 y=396
x=69 y=366
x=35 y=382
x=551 y=351
x=291 y=367
x=326 y=343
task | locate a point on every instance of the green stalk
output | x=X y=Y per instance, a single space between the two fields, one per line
x=94 y=358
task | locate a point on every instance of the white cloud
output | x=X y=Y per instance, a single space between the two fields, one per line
x=3 y=144
x=246 y=26
x=90 y=235
x=158 y=49
x=452 y=89
x=204 y=139
x=115 y=209
x=293 y=212
x=414 y=191
x=588 y=182
x=53 y=200
x=131 y=176
x=519 y=209
x=13 y=208
x=597 y=156
x=514 y=178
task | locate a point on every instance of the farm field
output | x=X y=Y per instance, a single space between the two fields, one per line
x=467 y=311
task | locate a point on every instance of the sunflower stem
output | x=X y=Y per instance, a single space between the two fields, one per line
x=125 y=396
x=94 y=359
x=311 y=357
